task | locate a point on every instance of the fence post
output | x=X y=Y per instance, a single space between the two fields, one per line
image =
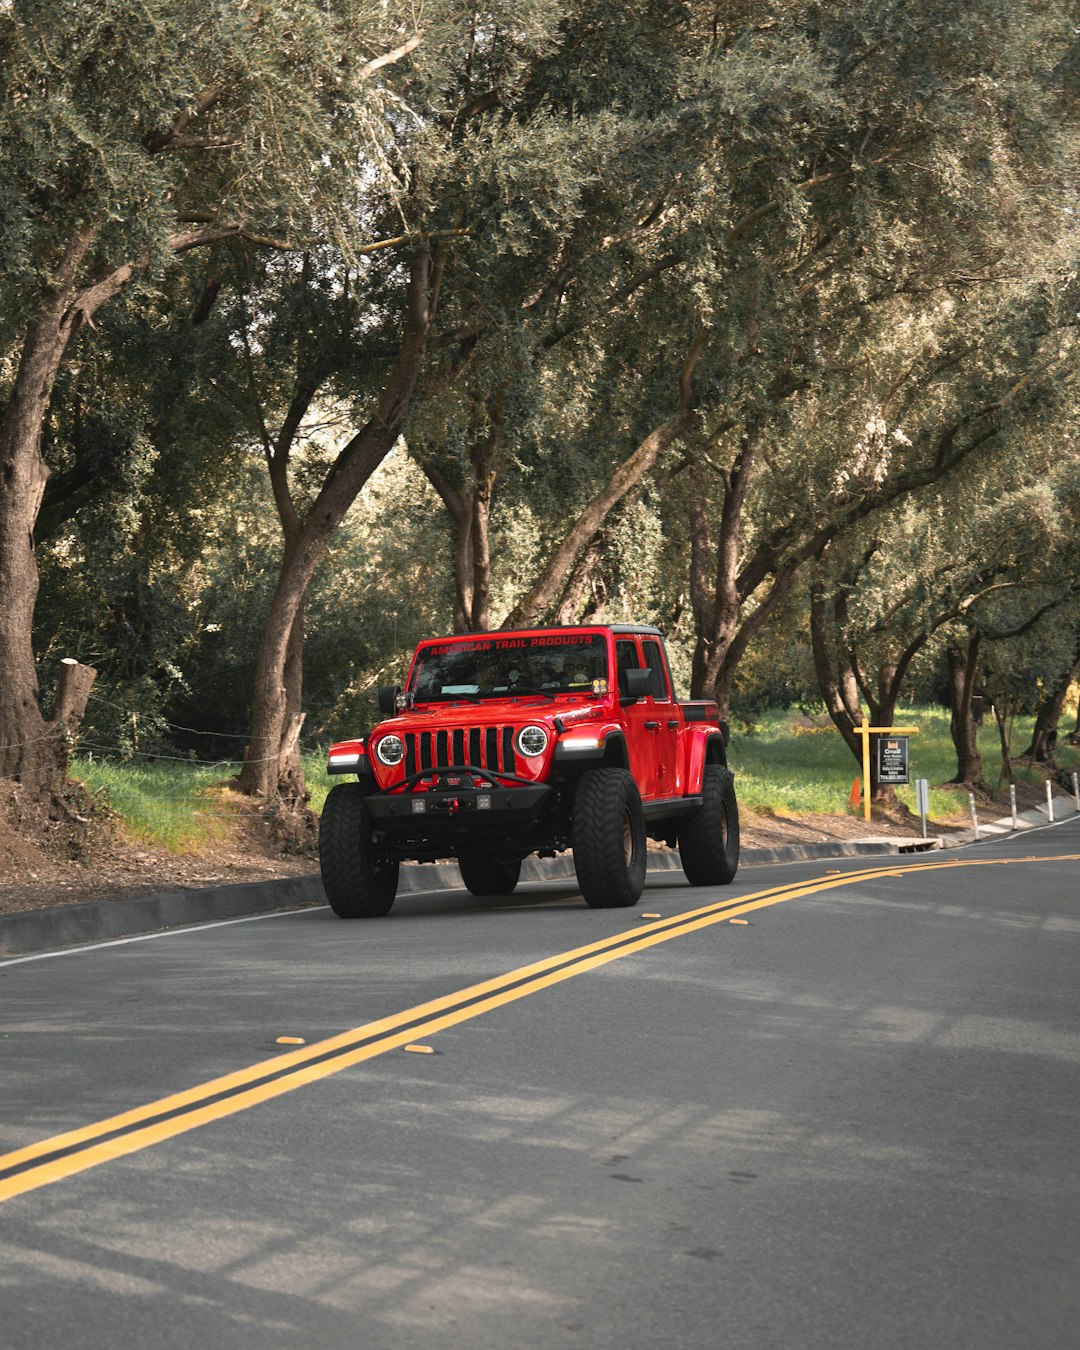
x=974 y=816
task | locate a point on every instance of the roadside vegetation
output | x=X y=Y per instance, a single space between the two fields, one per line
x=181 y=806
x=786 y=764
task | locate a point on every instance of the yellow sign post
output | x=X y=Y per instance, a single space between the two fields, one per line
x=866 y=731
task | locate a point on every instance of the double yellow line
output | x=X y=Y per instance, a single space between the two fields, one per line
x=52 y=1160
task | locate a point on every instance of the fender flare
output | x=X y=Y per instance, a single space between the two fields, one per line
x=706 y=749
x=610 y=753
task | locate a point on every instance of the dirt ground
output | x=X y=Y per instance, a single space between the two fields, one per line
x=111 y=866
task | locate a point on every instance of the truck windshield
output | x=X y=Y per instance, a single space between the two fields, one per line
x=500 y=667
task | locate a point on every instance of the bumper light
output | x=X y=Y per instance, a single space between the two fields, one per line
x=483 y=801
x=419 y=806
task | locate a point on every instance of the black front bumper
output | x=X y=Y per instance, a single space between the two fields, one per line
x=457 y=816
x=406 y=811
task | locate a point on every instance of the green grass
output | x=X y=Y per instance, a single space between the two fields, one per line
x=167 y=802
x=175 y=804
x=180 y=806
x=781 y=772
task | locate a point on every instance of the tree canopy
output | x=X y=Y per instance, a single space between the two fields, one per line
x=521 y=311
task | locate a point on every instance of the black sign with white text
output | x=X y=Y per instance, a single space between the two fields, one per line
x=892 y=752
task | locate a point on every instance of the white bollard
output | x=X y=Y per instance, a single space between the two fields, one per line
x=1076 y=789
x=922 y=801
x=1012 y=799
x=974 y=816
x=1049 y=801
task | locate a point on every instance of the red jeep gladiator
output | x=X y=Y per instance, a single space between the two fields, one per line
x=504 y=744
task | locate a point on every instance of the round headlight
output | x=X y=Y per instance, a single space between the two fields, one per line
x=532 y=741
x=390 y=751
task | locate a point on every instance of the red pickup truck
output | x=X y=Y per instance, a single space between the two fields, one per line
x=504 y=744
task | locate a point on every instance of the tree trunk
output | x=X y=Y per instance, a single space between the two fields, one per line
x=548 y=587
x=720 y=587
x=963 y=672
x=290 y=769
x=470 y=511
x=29 y=751
x=459 y=505
x=579 y=593
x=272 y=728
x=839 y=693
x=1044 y=733
x=1001 y=717
x=482 y=485
x=550 y=584
x=841 y=682
x=720 y=611
x=32 y=751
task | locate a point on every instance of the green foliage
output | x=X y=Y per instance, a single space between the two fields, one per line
x=859 y=207
x=779 y=770
x=175 y=804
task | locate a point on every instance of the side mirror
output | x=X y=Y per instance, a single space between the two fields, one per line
x=387 y=699
x=635 y=684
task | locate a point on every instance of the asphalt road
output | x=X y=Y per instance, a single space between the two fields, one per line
x=850 y=1120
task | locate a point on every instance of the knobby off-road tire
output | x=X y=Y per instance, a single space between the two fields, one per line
x=356 y=884
x=489 y=876
x=709 y=838
x=609 y=838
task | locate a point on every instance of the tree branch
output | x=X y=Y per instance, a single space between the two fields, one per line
x=389 y=58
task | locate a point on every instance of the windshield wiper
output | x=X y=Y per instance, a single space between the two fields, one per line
x=518 y=690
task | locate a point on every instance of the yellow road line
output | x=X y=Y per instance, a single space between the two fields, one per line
x=77 y=1150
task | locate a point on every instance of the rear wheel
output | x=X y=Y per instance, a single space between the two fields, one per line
x=709 y=838
x=489 y=876
x=609 y=838
x=358 y=884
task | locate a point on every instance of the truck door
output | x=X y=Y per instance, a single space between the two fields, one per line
x=640 y=722
x=666 y=718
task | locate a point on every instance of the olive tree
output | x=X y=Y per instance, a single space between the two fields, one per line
x=132 y=134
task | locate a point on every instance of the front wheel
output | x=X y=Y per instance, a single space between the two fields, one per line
x=358 y=884
x=609 y=838
x=709 y=838
x=489 y=876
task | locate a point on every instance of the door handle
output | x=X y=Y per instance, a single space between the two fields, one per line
x=652 y=726
x=673 y=724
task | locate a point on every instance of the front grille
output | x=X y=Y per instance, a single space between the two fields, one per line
x=488 y=748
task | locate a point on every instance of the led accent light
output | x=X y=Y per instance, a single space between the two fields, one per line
x=343 y=758
x=390 y=751
x=419 y=806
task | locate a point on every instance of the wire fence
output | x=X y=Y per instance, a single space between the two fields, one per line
x=171 y=797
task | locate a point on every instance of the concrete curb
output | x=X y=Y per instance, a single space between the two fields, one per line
x=43 y=930
x=40 y=930
x=1033 y=819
